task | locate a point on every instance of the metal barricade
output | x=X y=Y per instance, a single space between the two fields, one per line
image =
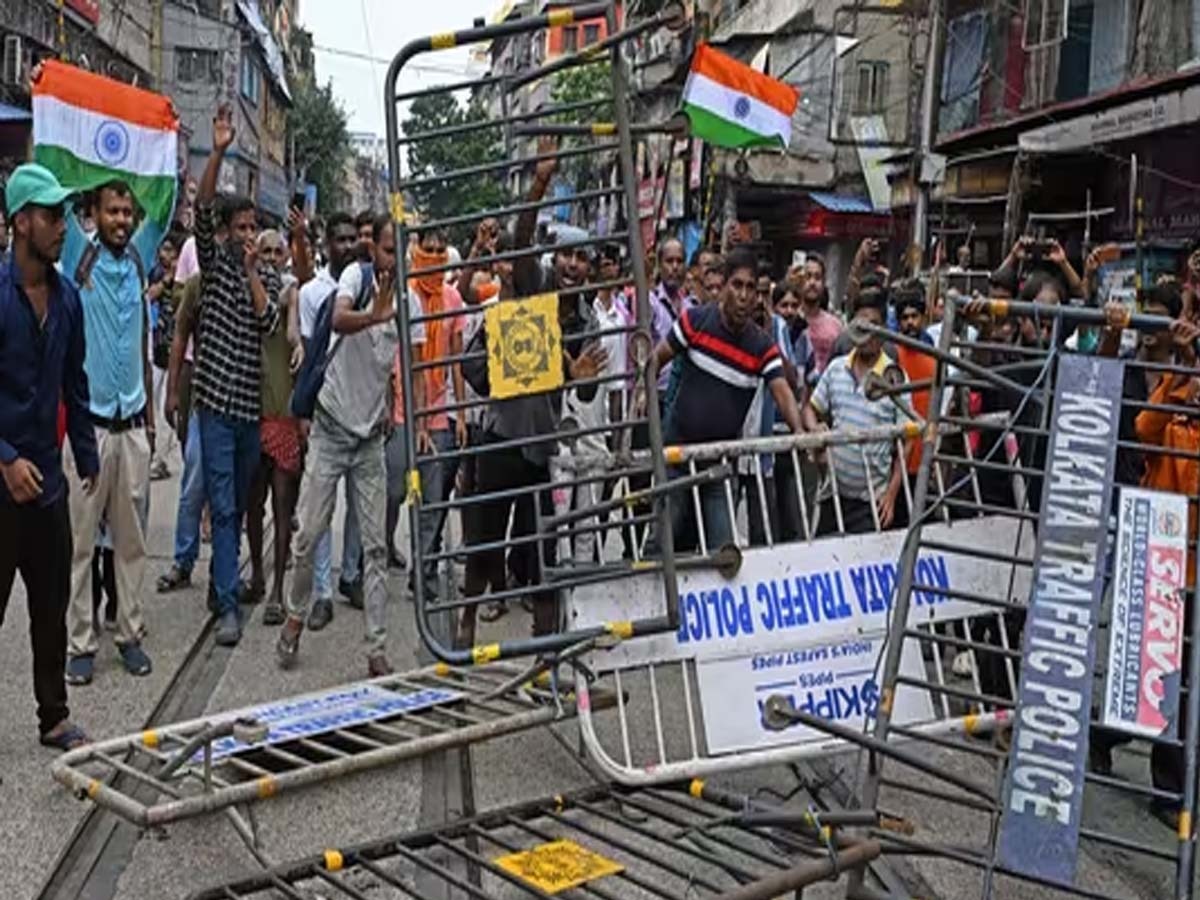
x=603 y=842
x=800 y=604
x=532 y=349
x=165 y=775
x=1091 y=663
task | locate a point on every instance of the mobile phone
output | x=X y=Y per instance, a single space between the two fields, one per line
x=1108 y=253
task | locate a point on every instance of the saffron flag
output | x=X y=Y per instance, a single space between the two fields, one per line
x=731 y=105
x=89 y=130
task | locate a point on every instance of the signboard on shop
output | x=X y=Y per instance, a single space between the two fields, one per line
x=1043 y=791
x=802 y=594
x=1117 y=123
x=1145 y=651
x=836 y=681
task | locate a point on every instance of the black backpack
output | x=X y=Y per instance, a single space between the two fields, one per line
x=311 y=376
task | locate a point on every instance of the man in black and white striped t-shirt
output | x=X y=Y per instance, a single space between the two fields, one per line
x=239 y=305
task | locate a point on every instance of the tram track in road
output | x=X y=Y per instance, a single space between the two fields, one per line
x=102 y=844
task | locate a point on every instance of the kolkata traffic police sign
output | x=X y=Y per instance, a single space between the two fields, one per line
x=524 y=346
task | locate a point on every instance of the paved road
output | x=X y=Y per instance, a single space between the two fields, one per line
x=39 y=817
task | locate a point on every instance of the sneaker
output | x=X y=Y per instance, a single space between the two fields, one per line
x=273 y=613
x=135 y=659
x=288 y=646
x=229 y=629
x=159 y=471
x=174 y=579
x=378 y=666
x=321 y=615
x=352 y=591
x=80 y=669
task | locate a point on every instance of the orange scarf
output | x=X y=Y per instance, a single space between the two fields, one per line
x=431 y=289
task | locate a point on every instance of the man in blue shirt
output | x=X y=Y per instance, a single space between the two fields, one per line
x=41 y=361
x=109 y=271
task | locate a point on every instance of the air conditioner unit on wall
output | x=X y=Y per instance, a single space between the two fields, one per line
x=12 y=66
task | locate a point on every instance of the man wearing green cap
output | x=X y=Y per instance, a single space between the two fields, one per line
x=42 y=351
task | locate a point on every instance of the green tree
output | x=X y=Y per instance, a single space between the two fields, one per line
x=320 y=142
x=428 y=158
x=590 y=82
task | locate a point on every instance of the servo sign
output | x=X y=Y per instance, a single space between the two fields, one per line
x=1043 y=791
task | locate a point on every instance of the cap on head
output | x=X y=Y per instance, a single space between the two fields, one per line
x=32 y=184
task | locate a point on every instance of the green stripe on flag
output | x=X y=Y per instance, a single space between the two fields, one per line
x=154 y=193
x=723 y=133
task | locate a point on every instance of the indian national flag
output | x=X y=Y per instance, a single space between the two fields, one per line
x=731 y=105
x=88 y=130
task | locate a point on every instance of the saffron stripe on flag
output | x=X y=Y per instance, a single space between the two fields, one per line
x=156 y=193
x=99 y=139
x=740 y=77
x=105 y=96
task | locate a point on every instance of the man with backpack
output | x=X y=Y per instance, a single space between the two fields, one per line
x=109 y=269
x=346 y=383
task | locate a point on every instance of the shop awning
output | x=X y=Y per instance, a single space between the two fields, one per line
x=842 y=203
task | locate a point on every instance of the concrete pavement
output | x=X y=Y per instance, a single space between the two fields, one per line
x=40 y=815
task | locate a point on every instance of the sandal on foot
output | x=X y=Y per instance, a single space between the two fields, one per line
x=70 y=738
x=80 y=669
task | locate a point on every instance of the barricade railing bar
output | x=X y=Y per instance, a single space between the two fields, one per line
x=660 y=844
x=218 y=762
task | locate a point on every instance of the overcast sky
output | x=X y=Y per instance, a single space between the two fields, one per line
x=379 y=28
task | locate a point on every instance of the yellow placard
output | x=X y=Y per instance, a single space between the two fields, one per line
x=558 y=866
x=525 y=353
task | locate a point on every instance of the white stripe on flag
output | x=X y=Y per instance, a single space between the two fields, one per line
x=759 y=117
x=104 y=140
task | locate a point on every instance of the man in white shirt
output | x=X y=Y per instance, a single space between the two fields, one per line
x=347 y=440
x=341 y=238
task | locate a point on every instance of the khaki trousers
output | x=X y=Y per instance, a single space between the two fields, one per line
x=121 y=489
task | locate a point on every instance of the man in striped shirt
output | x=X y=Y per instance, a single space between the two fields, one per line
x=725 y=355
x=238 y=306
x=866 y=472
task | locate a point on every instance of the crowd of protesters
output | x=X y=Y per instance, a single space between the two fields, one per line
x=274 y=362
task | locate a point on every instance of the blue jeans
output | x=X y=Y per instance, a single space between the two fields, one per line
x=714 y=506
x=437 y=481
x=191 y=501
x=230 y=449
x=323 y=567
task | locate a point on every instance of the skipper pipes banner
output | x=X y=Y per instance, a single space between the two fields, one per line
x=807 y=593
x=1145 y=651
x=1043 y=792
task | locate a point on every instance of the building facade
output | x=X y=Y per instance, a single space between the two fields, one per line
x=110 y=40
x=215 y=52
x=1060 y=126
